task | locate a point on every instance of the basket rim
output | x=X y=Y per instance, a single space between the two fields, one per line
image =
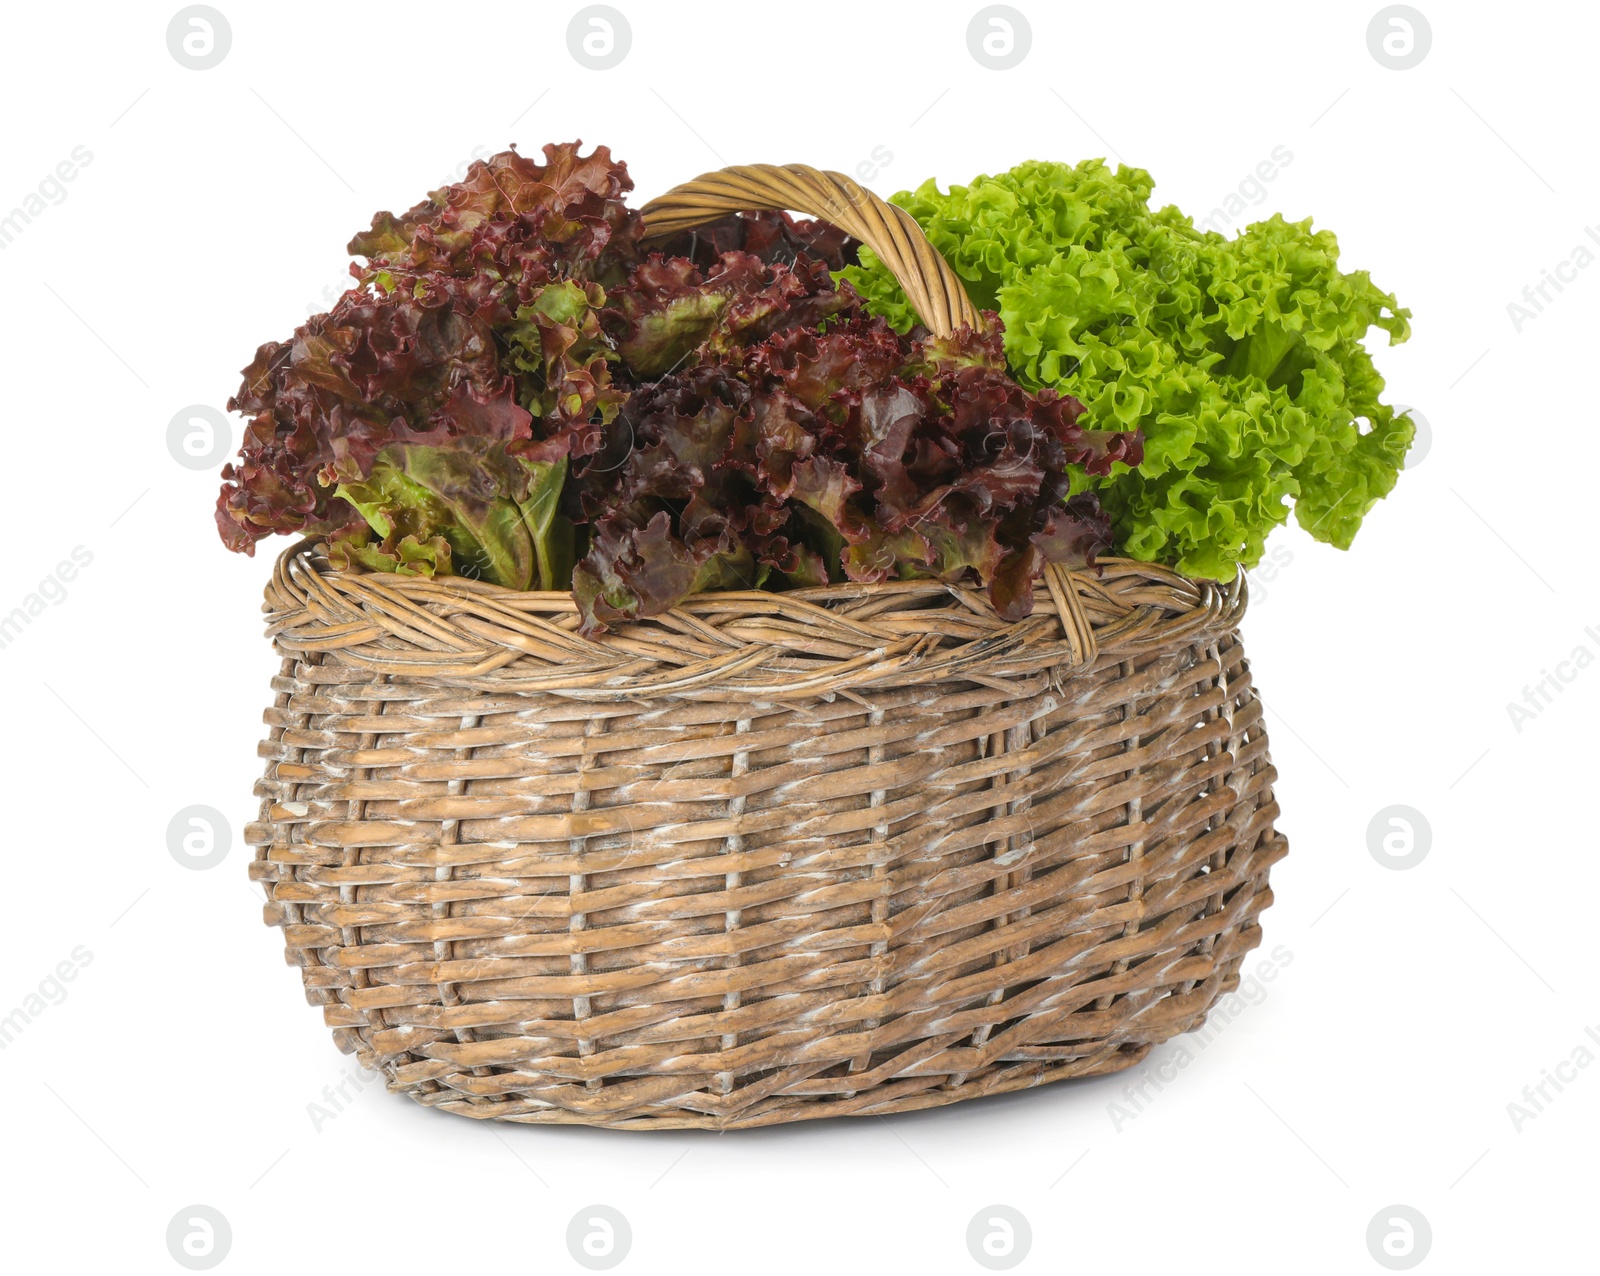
x=748 y=644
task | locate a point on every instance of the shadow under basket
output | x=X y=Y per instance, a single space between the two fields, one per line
x=767 y=857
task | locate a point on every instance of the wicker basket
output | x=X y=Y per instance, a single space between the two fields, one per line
x=840 y=851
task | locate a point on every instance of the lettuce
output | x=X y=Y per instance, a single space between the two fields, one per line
x=426 y=424
x=469 y=509
x=1239 y=361
x=845 y=453
x=518 y=391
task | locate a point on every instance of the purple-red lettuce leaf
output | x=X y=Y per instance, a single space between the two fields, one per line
x=510 y=225
x=849 y=452
x=638 y=566
x=376 y=370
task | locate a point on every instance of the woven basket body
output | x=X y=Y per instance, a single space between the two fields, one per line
x=764 y=858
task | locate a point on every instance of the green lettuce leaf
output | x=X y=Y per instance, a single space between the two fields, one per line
x=446 y=510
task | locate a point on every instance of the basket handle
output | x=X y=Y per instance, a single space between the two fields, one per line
x=892 y=233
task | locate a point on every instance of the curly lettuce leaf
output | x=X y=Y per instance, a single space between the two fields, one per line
x=510 y=225
x=378 y=369
x=474 y=323
x=850 y=452
x=468 y=511
x=1240 y=361
x=512 y=307
x=669 y=308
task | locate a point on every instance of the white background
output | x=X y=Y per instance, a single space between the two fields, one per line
x=1374 y=1070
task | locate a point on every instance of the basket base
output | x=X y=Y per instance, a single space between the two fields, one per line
x=884 y=1100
